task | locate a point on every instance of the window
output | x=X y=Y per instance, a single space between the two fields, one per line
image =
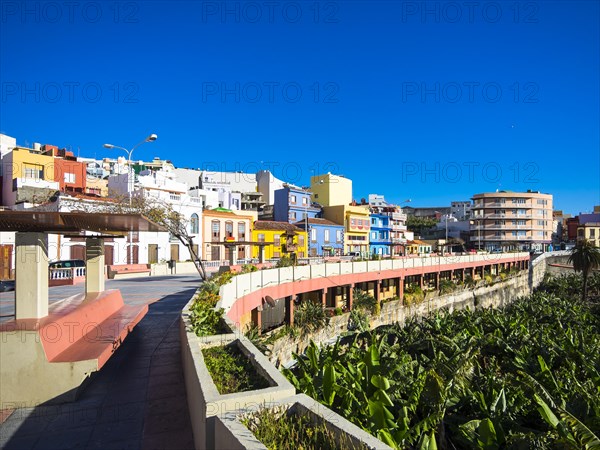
x=228 y=229
x=174 y=197
x=241 y=231
x=276 y=255
x=194 y=224
x=305 y=200
x=301 y=240
x=338 y=236
x=580 y=233
x=34 y=172
x=326 y=233
x=313 y=235
x=216 y=230
x=316 y=195
x=292 y=215
x=352 y=223
x=293 y=199
x=593 y=233
x=373 y=235
x=276 y=240
x=373 y=221
x=69 y=177
x=261 y=237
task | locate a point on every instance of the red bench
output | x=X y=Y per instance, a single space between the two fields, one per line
x=125 y=269
x=54 y=355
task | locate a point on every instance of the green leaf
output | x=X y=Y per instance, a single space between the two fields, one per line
x=487 y=435
x=329 y=383
x=546 y=412
x=381 y=382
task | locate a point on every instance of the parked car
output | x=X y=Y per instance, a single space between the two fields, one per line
x=7 y=285
x=66 y=264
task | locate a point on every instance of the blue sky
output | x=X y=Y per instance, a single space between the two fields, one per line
x=431 y=101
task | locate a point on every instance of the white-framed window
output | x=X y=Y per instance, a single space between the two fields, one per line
x=194 y=224
x=326 y=234
x=292 y=215
x=338 y=236
x=305 y=200
x=34 y=172
x=313 y=235
x=69 y=177
x=293 y=199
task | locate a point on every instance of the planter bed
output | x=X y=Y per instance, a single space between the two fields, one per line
x=235 y=430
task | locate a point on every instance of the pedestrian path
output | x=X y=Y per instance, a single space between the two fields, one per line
x=137 y=400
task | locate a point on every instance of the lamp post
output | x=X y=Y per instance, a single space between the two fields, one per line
x=130 y=176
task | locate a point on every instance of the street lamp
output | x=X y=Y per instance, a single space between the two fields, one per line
x=130 y=176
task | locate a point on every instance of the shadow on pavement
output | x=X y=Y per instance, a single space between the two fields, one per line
x=137 y=400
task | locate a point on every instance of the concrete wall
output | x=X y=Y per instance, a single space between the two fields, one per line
x=204 y=400
x=497 y=295
x=215 y=417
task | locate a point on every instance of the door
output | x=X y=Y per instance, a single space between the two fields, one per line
x=215 y=253
x=78 y=252
x=6 y=262
x=175 y=252
x=133 y=254
x=152 y=253
x=109 y=255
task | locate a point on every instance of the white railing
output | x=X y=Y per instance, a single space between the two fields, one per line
x=66 y=273
x=244 y=284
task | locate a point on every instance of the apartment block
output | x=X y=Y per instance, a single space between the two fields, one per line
x=511 y=221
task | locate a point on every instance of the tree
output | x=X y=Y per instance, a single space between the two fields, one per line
x=585 y=258
x=420 y=224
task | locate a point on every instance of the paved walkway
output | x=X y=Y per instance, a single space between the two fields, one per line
x=138 y=398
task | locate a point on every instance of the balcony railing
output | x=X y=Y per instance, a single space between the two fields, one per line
x=66 y=273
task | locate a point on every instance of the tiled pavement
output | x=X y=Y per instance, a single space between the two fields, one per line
x=138 y=398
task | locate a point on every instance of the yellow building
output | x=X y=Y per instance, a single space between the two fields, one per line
x=417 y=247
x=27 y=176
x=357 y=225
x=287 y=239
x=331 y=190
x=589 y=231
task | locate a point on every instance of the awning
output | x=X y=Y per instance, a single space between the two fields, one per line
x=74 y=222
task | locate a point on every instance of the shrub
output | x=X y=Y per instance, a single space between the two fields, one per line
x=275 y=428
x=413 y=294
x=231 y=370
x=338 y=311
x=358 y=321
x=247 y=268
x=446 y=286
x=362 y=300
x=310 y=316
x=285 y=261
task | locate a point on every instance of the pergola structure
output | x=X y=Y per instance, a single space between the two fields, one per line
x=31 y=252
x=47 y=352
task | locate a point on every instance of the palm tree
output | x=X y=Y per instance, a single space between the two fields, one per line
x=585 y=258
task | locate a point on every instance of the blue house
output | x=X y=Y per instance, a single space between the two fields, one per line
x=325 y=238
x=293 y=204
x=380 y=241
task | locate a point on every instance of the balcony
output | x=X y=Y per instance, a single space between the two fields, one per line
x=399 y=227
x=398 y=216
x=501 y=238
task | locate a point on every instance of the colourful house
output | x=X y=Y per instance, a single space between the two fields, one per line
x=325 y=237
x=221 y=228
x=357 y=224
x=28 y=176
x=287 y=239
x=418 y=247
x=293 y=204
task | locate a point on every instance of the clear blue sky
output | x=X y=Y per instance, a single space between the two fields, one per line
x=433 y=105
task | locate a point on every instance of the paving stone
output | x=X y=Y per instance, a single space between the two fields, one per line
x=72 y=438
